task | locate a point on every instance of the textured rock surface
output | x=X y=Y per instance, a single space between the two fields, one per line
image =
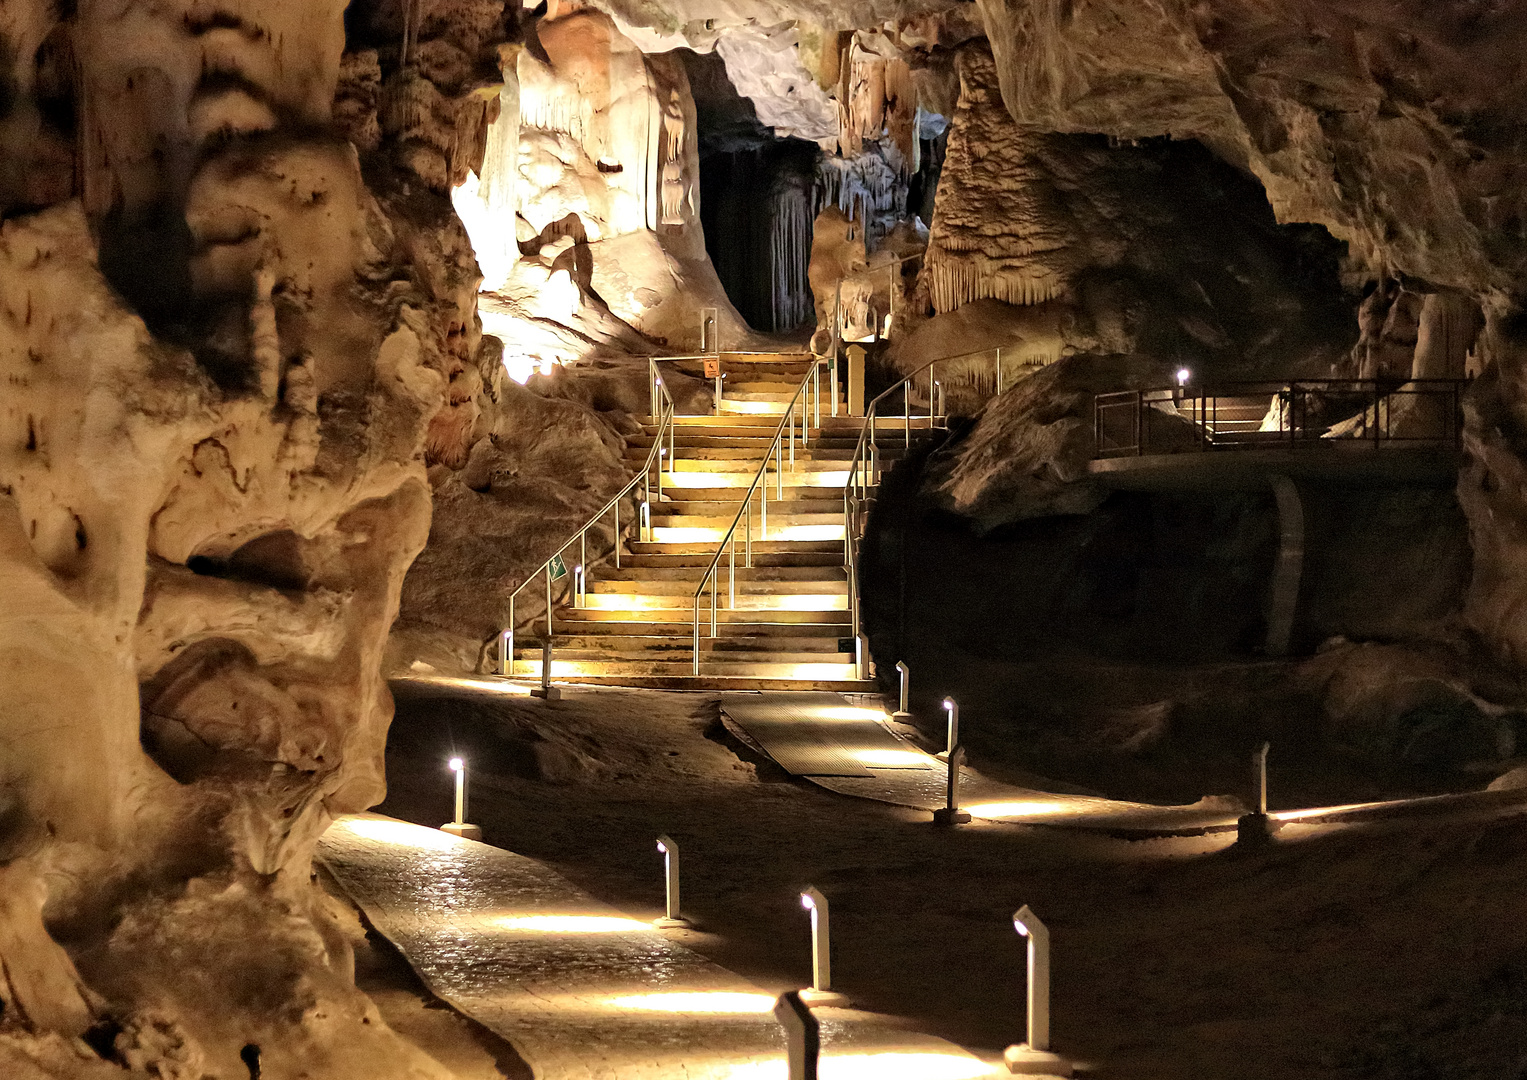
x=227 y=334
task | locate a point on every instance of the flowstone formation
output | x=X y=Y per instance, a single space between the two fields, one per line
x=231 y=321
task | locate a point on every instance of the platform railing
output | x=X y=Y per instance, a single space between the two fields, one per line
x=650 y=483
x=864 y=466
x=1224 y=416
x=807 y=405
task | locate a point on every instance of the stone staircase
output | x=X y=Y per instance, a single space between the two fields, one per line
x=789 y=624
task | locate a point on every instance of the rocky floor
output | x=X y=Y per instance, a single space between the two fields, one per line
x=1392 y=950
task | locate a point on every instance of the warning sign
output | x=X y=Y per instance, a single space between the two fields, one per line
x=558 y=568
x=713 y=368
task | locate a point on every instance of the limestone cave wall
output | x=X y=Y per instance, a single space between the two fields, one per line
x=235 y=309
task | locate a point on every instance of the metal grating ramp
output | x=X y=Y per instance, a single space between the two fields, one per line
x=820 y=734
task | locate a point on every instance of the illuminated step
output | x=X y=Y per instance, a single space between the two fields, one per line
x=748 y=466
x=792 y=510
x=823 y=500
x=828 y=571
x=799 y=646
x=761 y=548
x=573 y=669
x=704 y=535
x=737 y=478
x=682 y=655
x=727 y=615
x=744 y=602
x=834 y=584
x=793 y=631
x=693 y=560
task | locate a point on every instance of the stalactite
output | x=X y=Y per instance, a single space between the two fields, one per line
x=957 y=281
x=791 y=219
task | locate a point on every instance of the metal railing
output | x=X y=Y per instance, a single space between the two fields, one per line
x=1297 y=413
x=650 y=480
x=776 y=450
x=864 y=466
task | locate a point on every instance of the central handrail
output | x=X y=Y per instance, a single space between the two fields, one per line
x=663 y=410
x=864 y=466
x=775 y=449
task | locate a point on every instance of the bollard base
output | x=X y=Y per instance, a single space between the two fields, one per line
x=665 y=923
x=901 y=717
x=1024 y=1061
x=1254 y=830
x=945 y=816
x=463 y=829
x=824 y=999
x=550 y=693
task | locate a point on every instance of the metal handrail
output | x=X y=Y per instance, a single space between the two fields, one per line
x=776 y=449
x=863 y=474
x=1201 y=405
x=662 y=400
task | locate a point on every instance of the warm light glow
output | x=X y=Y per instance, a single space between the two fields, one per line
x=807 y=902
x=661 y=848
x=456 y=764
x=1015 y=809
x=519 y=368
x=883 y=1066
x=571 y=669
x=745 y=602
x=571 y=924
x=559 y=298
x=1320 y=811
x=697 y=1002
x=1183 y=375
x=399 y=832
x=890 y=758
x=948 y=704
x=685 y=478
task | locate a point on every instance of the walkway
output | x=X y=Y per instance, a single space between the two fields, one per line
x=842 y=747
x=580 y=989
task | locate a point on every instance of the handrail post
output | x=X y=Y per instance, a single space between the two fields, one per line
x=617 y=536
x=548 y=598
x=697 y=634
x=714 y=589
x=506 y=642
x=906 y=407
x=999 y=370
x=747 y=543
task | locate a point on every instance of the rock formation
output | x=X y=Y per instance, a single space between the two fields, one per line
x=231 y=316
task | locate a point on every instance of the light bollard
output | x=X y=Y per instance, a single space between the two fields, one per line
x=902 y=712
x=1256 y=828
x=672 y=920
x=506 y=652
x=459 y=827
x=952 y=707
x=821 y=992
x=803 y=1036
x=1033 y=1058
x=950 y=813
x=546 y=689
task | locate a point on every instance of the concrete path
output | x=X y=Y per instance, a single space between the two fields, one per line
x=859 y=734
x=580 y=989
x=906 y=776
